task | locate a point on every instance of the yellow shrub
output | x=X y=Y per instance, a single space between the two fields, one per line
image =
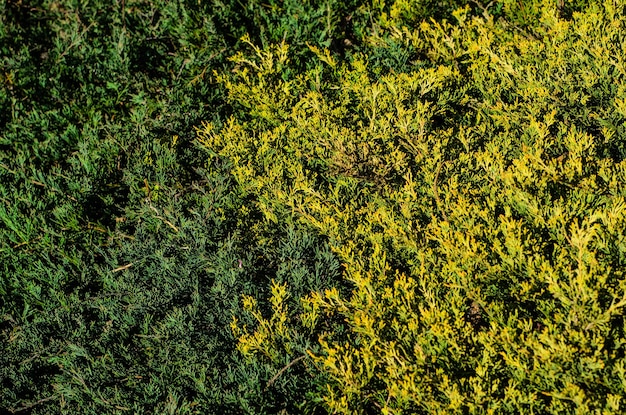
x=477 y=203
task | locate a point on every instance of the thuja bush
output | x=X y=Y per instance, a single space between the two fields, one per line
x=475 y=198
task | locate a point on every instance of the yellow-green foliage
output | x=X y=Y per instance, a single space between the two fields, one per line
x=477 y=203
x=270 y=332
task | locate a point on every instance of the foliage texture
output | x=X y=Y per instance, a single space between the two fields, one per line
x=394 y=207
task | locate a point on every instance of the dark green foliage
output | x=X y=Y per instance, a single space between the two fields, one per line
x=98 y=170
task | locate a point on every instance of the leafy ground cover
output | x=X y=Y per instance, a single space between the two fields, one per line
x=303 y=207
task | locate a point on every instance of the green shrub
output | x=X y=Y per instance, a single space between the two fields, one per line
x=119 y=244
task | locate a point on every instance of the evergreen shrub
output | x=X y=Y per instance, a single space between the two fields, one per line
x=123 y=252
x=312 y=207
x=474 y=195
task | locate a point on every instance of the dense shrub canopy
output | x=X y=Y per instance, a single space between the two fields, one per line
x=291 y=207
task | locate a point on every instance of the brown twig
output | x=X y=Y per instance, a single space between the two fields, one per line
x=30 y=405
x=281 y=371
x=167 y=222
x=123 y=267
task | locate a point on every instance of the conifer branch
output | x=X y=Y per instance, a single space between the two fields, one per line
x=31 y=405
